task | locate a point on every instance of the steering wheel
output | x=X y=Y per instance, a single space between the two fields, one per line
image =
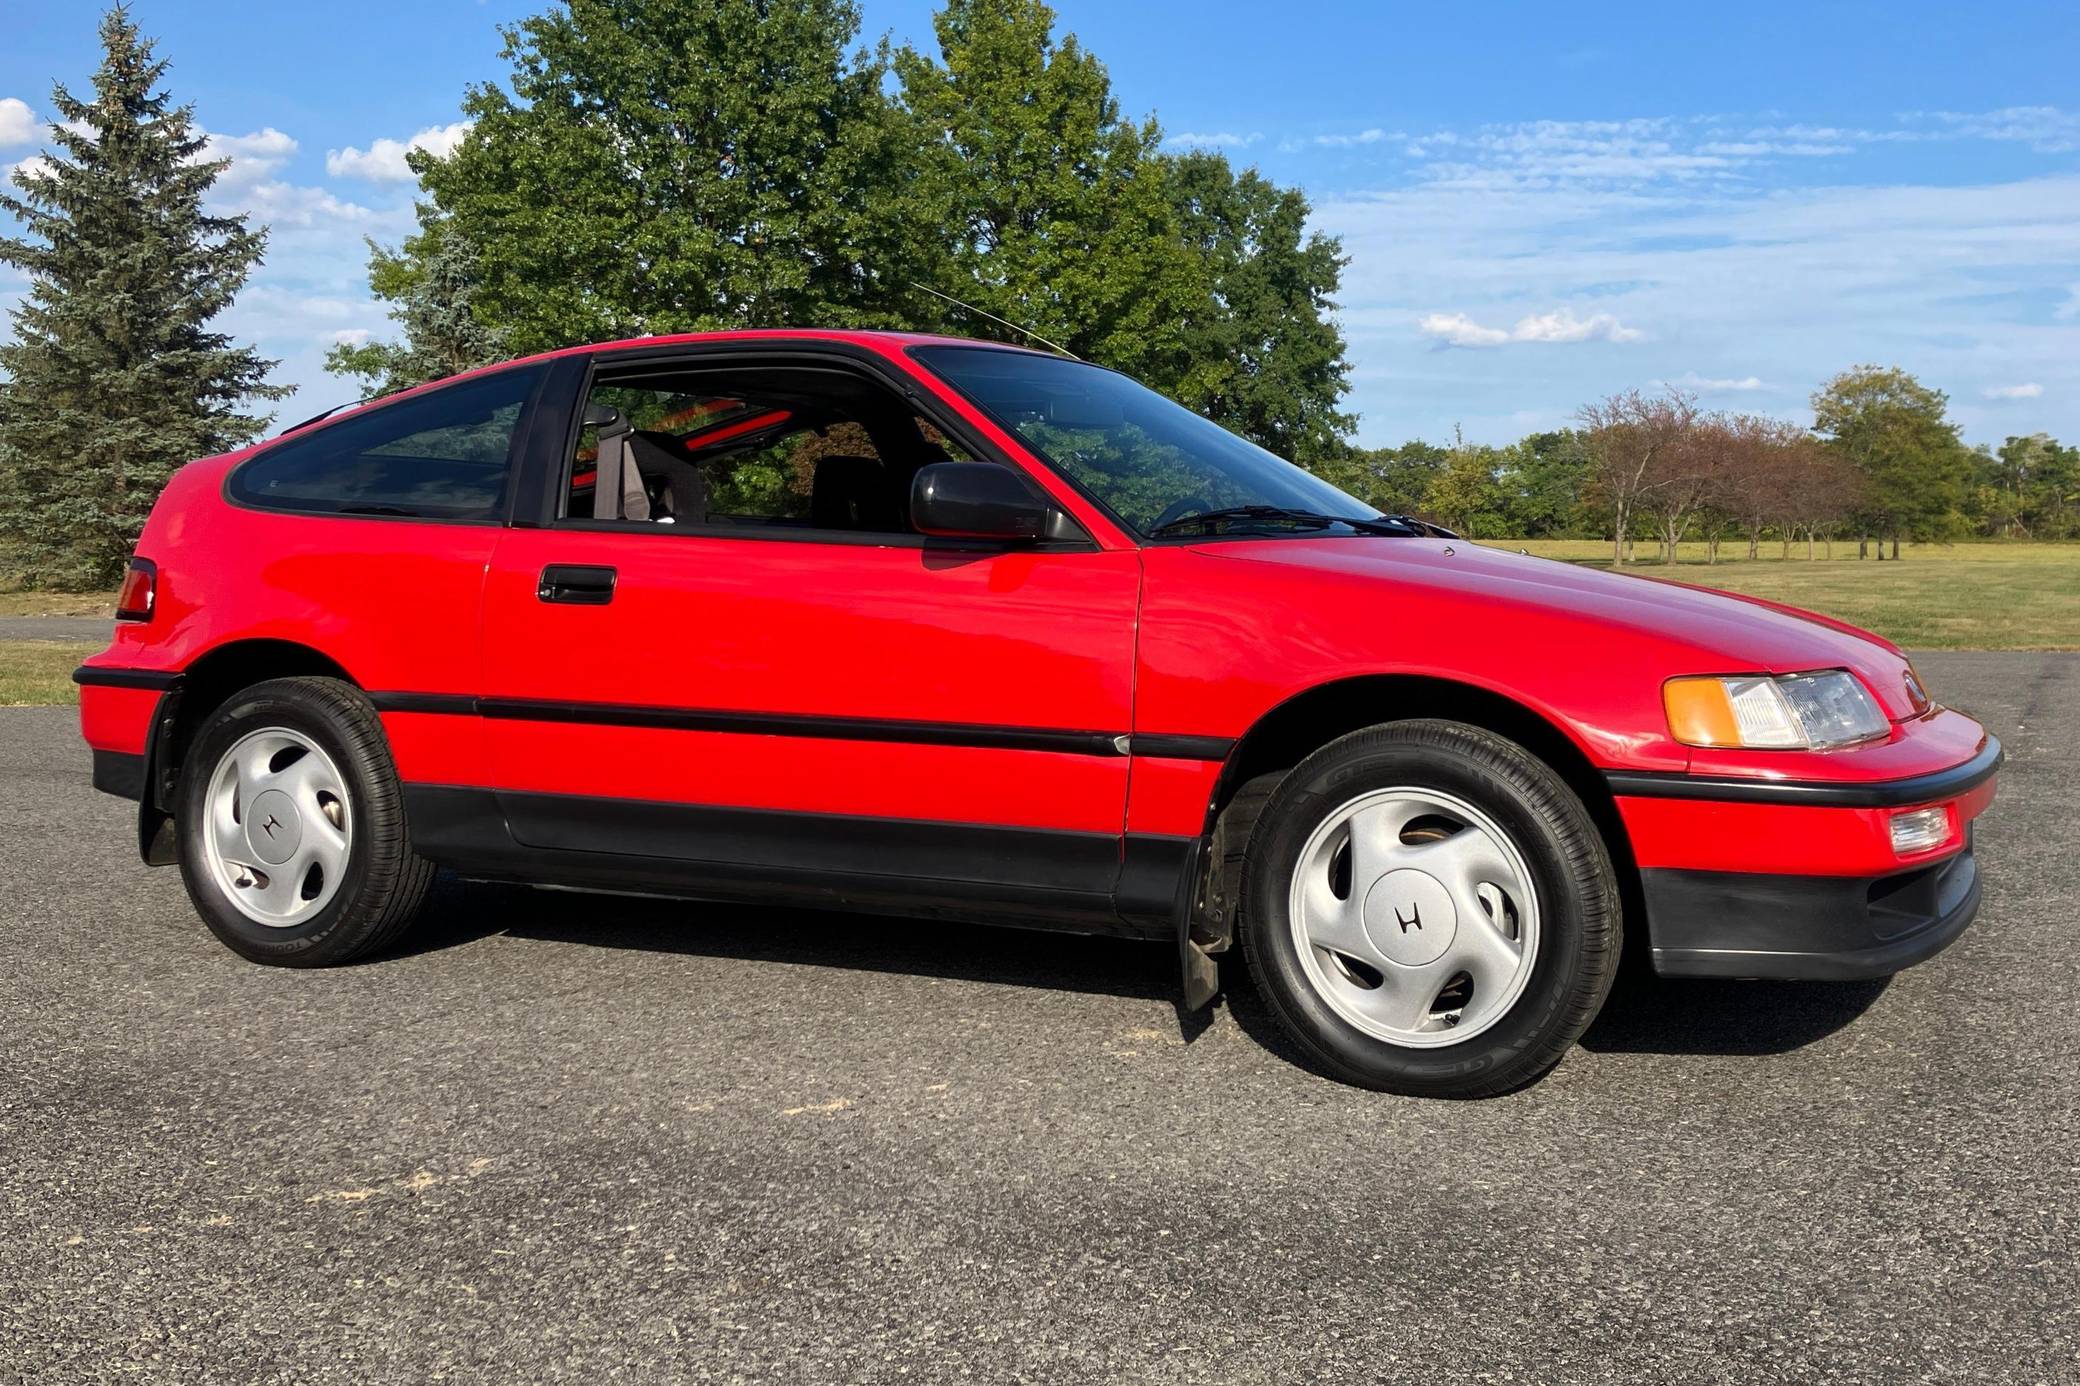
x=1177 y=510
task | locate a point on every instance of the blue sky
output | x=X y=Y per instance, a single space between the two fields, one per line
x=1541 y=203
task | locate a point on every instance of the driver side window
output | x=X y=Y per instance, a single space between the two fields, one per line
x=782 y=447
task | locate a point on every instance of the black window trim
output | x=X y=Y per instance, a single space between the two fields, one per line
x=547 y=481
x=522 y=431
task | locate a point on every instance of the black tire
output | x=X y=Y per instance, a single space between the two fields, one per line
x=385 y=881
x=1580 y=911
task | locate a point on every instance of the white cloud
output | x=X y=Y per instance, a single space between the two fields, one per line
x=18 y=124
x=1756 y=149
x=35 y=163
x=279 y=204
x=348 y=337
x=1716 y=385
x=2029 y=391
x=1960 y=284
x=255 y=158
x=384 y=160
x=2046 y=129
x=1457 y=329
x=1224 y=138
x=1372 y=136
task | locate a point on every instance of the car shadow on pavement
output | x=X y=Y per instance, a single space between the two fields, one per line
x=1655 y=1015
x=1645 y=1014
x=462 y=913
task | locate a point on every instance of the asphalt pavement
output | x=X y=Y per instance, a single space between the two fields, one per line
x=584 y=1138
x=93 y=629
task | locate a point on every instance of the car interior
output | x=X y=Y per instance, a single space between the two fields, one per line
x=799 y=447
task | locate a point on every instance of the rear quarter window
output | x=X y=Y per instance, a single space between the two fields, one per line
x=443 y=455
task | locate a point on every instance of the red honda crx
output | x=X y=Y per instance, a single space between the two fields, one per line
x=940 y=628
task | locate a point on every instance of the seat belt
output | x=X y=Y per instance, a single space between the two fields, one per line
x=610 y=489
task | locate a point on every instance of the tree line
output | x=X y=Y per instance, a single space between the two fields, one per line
x=653 y=166
x=1880 y=462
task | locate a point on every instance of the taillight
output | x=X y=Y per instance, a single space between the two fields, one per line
x=140 y=591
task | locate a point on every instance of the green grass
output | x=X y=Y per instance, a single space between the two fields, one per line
x=1994 y=595
x=39 y=672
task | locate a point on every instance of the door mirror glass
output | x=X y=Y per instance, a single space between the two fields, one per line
x=975 y=500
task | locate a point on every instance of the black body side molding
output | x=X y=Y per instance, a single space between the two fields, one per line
x=1035 y=878
x=1063 y=741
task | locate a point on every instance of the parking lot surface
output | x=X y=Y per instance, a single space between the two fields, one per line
x=586 y=1138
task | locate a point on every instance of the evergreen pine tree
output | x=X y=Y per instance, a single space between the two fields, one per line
x=116 y=377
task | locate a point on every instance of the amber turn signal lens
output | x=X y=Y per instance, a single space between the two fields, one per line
x=1700 y=712
x=140 y=591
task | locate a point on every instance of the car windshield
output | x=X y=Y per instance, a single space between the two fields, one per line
x=1158 y=467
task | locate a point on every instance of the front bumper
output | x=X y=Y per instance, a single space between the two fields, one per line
x=1828 y=928
x=1799 y=879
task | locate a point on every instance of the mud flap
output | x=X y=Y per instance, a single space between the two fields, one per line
x=161 y=770
x=1206 y=920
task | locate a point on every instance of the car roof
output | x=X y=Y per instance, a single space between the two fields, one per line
x=871 y=337
x=855 y=336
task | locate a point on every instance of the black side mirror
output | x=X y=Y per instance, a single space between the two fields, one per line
x=975 y=500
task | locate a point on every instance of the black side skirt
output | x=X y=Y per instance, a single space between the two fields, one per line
x=1080 y=882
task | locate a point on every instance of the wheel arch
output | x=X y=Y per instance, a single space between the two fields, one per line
x=206 y=683
x=1308 y=720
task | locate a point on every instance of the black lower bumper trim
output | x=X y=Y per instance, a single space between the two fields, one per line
x=119 y=773
x=1830 y=928
x=109 y=676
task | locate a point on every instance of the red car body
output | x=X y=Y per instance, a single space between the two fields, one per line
x=1039 y=735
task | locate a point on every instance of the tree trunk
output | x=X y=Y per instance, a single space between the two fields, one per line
x=1784 y=545
x=1895 y=548
x=1863 y=545
x=1618 y=540
x=1830 y=548
x=1809 y=546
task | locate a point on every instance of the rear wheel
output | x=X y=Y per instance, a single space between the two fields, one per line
x=292 y=834
x=1429 y=910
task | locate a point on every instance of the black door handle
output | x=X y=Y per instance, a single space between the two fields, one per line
x=576 y=584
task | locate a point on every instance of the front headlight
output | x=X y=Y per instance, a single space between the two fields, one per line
x=1789 y=712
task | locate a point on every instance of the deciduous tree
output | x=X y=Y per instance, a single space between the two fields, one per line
x=1634 y=444
x=1896 y=432
x=1057 y=208
x=1265 y=358
x=674 y=165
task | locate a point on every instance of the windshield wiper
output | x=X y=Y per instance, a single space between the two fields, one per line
x=1279 y=514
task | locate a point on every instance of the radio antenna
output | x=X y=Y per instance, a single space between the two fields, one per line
x=1023 y=331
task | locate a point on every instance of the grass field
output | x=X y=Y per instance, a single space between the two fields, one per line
x=1976 y=596
x=40 y=671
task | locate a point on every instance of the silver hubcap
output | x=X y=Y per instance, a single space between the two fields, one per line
x=1415 y=917
x=279 y=827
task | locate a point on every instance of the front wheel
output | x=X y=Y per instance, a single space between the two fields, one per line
x=292 y=835
x=1429 y=910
